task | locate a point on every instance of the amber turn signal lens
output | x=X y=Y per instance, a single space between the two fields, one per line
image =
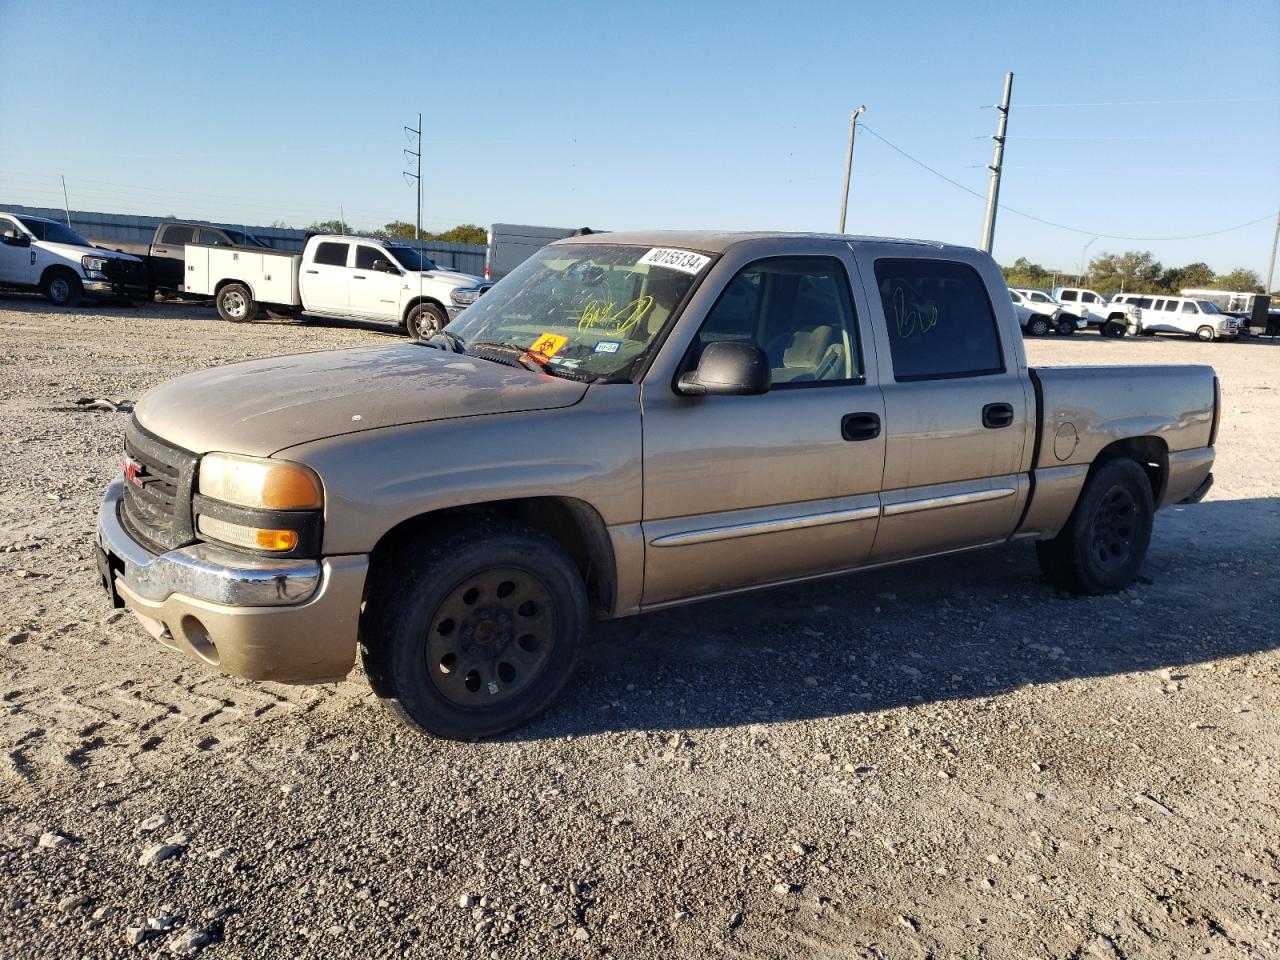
x=242 y=536
x=277 y=539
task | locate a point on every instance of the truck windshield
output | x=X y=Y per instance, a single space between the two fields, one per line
x=589 y=310
x=53 y=232
x=412 y=259
x=1208 y=306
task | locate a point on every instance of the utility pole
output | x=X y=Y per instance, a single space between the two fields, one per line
x=848 y=163
x=66 y=205
x=417 y=177
x=997 y=161
x=1083 y=253
x=1271 y=264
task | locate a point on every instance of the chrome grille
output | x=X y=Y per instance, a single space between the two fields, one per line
x=157 y=491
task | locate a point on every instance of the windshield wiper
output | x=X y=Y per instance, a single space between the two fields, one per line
x=455 y=344
x=520 y=357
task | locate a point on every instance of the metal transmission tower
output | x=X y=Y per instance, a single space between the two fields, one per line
x=997 y=160
x=415 y=177
x=848 y=163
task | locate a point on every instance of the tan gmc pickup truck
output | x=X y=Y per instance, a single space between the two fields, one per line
x=626 y=422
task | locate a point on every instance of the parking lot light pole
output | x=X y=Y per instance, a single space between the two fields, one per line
x=1080 y=275
x=1271 y=264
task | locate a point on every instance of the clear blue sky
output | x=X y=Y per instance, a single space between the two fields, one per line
x=686 y=114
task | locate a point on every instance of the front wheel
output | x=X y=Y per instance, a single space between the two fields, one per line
x=1038 y=326
x=1114 y=329
x=63 y=288
x=476 y=631
x=1105 y=540
x=1205 y=334
x=1066 y=328
x=235 y=303
x=424 y=321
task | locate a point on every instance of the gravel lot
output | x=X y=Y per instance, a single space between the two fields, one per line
x=943 y=759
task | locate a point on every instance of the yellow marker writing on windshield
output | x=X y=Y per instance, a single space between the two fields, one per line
x=548 y=345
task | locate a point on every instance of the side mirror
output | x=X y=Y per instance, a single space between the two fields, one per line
x=13 y=239
x=384 y=266
x=728 y=369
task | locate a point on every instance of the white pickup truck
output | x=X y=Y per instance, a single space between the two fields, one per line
x=334 y=276
x=1112 y=319
x=44 y=255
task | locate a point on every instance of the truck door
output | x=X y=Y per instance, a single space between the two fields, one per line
x=168 y=263
x=742 y=490
x=15 y=256
x=955 y=407
x=375 y=292
x=326 y=278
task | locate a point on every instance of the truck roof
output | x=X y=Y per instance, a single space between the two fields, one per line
x=718 y=241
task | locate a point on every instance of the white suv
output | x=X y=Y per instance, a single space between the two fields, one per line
x=1197 y=318
x=44 y=255
x=1096 y=311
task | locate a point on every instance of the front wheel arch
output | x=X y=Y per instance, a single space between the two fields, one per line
x=404 y=314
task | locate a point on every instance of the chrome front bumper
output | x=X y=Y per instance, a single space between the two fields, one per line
x=201 y=571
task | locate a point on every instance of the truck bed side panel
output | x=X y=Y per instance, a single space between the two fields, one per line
x=1085 y=409
x=272 y=277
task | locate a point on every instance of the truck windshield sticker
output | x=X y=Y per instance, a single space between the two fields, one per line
x=608 y=346
x=548 y=345
x=681 y=260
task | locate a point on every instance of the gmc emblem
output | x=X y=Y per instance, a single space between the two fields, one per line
x=133 y=470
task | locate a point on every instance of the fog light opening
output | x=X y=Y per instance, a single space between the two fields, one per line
x=197 y=637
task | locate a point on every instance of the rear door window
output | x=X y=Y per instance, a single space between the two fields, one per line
x=177 y=235
x=332 y=254
x=940 y=320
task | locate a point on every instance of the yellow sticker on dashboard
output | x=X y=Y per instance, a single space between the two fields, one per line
x=548 y=345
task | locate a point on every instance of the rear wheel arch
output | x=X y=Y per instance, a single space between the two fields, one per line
x=1150 y=453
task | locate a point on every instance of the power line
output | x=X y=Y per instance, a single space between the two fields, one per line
x=1050 y=223
x=1144 y=103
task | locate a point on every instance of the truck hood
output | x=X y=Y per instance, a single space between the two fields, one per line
x=452 y=277
x=74 y=251
x=263 y=406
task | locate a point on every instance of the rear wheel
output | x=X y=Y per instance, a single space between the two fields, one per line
x=1204 y=334
x=477 y=631
x=1038 y=326
x=235 y=303
x=62 y=288
x=424 y=321
x=1105 y=540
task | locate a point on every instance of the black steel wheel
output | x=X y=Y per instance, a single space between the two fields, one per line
x=474 y=631
x=1113 y=328
x=1104 y=542
x=1066 y=327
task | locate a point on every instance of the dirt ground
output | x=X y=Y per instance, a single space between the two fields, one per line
x=945 y=759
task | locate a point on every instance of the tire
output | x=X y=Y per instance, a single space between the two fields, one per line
x=1205 y=334
x=1105 y=541
x=235 y=303
x=475 y=632
x=62 y=288
x=1066 y=328
x=1038 y=326
x=1113 y=328
x=424 y=321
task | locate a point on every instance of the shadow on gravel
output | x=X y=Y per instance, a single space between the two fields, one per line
x=971 y=625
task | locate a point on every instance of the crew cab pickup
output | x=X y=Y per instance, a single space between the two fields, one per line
x=1113 y=319
x=164 y=254
x=627 y=422
x=44 y=255
x=336 y=276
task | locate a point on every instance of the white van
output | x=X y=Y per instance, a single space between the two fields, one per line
x=1197 y=318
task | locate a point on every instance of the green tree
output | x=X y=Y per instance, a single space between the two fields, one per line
x=1176 y=279
x=1024 y=273
x=1134 y=270
x=331 y=226
x=1240 y=280
x=397 y=230
x=464 y=233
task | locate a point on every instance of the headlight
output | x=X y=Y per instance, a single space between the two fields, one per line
x=259 y=483
x=93 y=267
x=464 y=296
